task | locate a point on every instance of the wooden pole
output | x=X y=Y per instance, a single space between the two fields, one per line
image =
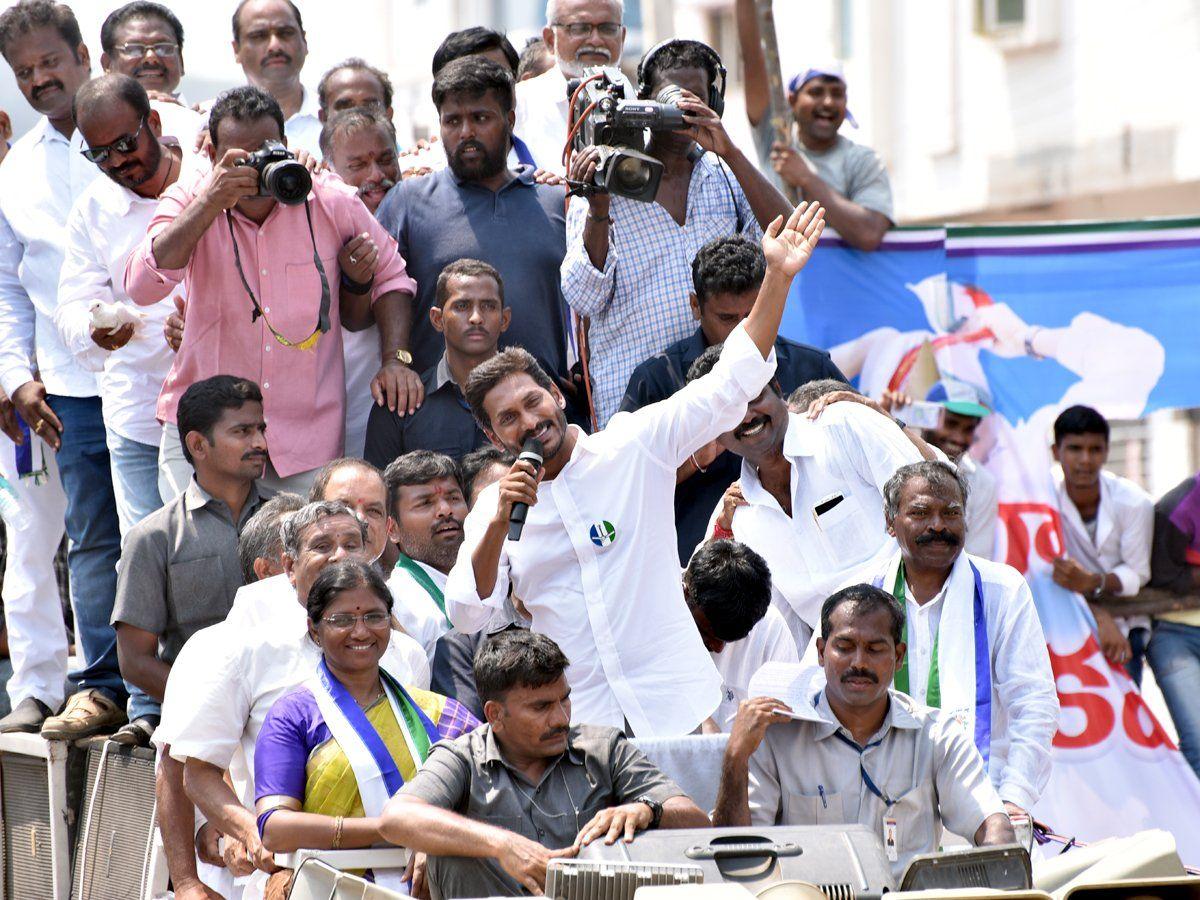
x=779 y=114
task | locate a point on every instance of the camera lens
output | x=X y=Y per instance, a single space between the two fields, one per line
x=632 y=174
x=670 y=95
x=287 y=181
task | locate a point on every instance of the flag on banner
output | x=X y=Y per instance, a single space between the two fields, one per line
x=1039 y=318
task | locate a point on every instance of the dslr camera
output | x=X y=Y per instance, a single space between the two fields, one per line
x=615 y=122
x=279 y=175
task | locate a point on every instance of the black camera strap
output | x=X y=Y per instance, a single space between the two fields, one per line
x=322 y=316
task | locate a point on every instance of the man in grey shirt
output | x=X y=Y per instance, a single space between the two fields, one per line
x=493 y=807
x=846 y=178
x=179 y=568
x=857 y=751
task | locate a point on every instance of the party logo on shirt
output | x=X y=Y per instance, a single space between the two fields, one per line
x=603 y=534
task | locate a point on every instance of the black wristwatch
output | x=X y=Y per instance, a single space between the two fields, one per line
x=356 y=287
x=655 y=811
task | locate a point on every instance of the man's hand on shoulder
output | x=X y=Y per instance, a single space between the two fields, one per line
x=754 y=717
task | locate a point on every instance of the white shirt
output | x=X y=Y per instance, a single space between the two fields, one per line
x=983 y=507
x=1024 y=701
x=849 y=451
x=415 y=609
x=542 y=118
x=592 y=564
x=1124 y=531
x=362 y=358
x=768 y=641
x=107 y=222
x=40 y=179
x=303 y=129
x=227 y=676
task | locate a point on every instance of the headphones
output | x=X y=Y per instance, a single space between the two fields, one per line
x=716 y=90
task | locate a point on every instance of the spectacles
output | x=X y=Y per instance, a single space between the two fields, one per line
x=583 y=29
x=166 y=50
x=126 y=144
x=346 y=621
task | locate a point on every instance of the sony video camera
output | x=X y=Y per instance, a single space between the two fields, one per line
x=279 y=175
x=615 y=122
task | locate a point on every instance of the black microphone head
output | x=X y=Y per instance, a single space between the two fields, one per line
x=532 y=451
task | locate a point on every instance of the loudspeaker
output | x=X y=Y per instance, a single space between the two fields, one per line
x=315 y=880
x=1187 y=888
x=844 y=861
x=40 y=789
x=116 y=831
x=573 y=879
x=1003 y=868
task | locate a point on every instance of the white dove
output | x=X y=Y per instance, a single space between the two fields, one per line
x=112 y=316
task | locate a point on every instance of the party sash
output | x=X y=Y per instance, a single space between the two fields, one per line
x=956 y=655
x=421 y=577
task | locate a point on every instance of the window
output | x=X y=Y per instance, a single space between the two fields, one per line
x=1018 y=24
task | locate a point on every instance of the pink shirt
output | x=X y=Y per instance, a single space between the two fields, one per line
x=304 y=391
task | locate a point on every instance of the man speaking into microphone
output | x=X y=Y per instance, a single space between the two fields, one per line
x=595 y=565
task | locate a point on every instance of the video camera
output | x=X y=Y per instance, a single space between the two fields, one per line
x=279 y=174
x=609 y=116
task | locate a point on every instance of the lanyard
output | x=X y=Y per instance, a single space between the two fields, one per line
x=421 y=577
x=867 y=780
x=933 y=688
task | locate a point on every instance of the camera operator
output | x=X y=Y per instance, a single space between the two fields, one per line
x=628 y=263
x=271 y=280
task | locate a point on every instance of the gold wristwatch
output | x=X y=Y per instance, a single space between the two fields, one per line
x=403 y=356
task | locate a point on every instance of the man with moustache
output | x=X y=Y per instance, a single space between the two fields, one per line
x=426 y=511
x=56 y=398
x=599 y=526
x=359 y=144
x=471 y=315
x=125 y=138
x=356 y=84
x=813 y=493
x=224 y=682
x=144 y=40
x=480 y=208
x=577 y=34
x=628 y=263
x=270 y=45
x=857 y=751
x=179 y=566
x=955 y=603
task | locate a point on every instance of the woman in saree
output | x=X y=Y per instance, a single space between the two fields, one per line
x=334 y=750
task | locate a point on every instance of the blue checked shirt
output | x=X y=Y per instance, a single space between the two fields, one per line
x=638 y=304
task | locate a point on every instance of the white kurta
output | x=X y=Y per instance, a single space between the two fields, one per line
x=416 y=611
x=768 y=641
x=594 y=565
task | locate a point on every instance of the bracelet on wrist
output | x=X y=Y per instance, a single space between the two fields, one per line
x=721 y=533
x=356 y=287
x=599 y=219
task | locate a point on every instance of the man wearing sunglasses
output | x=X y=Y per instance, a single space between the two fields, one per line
x=578 y=33
x=270 y=287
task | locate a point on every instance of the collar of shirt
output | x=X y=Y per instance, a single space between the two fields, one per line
x=899 y=715
x=441 y=374
x=522 y=177
x=492 y=753
x=197 y=498
x=310 y=105
x=120 y=199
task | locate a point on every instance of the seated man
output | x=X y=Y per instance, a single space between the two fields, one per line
x=726 y=276
x=470 y=313
x=260 y=548
x=1107 y=528
x=426 y=510
x=228 y=675
x=898 y=768
x=179 y=568
x=489 y=807
x=952 y=600
x=727 y=587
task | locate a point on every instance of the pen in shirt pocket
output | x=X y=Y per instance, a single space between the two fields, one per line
x=821 y=791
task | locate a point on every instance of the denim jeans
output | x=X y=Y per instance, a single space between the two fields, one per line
x=1174 y=655
x=95 y=537
x=134 y=477
x=135 y=486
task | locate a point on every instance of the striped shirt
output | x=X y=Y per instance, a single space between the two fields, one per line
x=638 y=303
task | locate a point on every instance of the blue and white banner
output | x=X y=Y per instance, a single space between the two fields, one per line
x=1039 y=318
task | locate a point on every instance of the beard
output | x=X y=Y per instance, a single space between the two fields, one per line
x=135 y=173
x=489 y=163
x=437 y=554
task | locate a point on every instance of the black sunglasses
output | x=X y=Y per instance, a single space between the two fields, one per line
x=126 y=144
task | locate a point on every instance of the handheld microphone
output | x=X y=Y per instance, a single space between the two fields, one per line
x=531 y=451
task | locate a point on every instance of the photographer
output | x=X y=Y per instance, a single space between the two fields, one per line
x=270 y=285
x=628 y=263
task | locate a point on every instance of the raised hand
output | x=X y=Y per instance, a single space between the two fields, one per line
x=789 y=245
